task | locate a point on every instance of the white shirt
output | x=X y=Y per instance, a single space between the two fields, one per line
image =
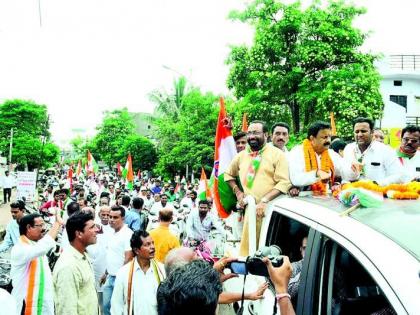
x=118 y=244
x=300 y=177
x=380 y=163
x=21 y=256
x=157 y=206
x=148 y=203
x=97 y=253
x=7 y=302
x=144 y=289
x=411 y=167
x=200 y=230
x=8 y=181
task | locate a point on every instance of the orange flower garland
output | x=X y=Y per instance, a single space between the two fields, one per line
x=394 y=191
x=311 y=164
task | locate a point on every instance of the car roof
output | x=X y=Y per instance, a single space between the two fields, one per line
x=399 y=220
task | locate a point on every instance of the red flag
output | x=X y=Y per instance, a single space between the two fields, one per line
x=139 y=174
x=79 y=168
x=244 y=123
x=70 y=177
x=119 y=169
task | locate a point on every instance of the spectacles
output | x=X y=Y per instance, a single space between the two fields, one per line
x=254 y=133
x=39 y=226
x=406 y=140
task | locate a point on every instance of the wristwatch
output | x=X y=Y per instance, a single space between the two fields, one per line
x=264 y=200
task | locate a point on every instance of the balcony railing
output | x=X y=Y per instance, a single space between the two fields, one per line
x=405 y=62
x=413 y=120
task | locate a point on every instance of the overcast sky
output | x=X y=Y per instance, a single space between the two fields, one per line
x=94 y=55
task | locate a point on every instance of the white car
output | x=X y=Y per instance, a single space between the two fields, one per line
x=365 y=263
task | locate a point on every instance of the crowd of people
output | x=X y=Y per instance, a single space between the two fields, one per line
x=124 y=251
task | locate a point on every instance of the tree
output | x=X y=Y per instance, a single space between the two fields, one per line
x=142 y=151
x=304 y=64
x=190 y=139
x=112 y=132
x=170 y=105
x=31 y=138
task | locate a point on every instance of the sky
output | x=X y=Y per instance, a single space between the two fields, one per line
x=82 y=57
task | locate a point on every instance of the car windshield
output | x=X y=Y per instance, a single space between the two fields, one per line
x=397 y=219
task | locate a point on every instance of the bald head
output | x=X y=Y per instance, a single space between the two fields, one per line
x=178 y=257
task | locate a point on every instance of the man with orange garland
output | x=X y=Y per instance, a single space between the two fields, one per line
x=313 y=164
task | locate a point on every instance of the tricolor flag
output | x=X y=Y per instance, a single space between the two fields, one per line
x=244 y=123
x=119 y=169
x=79 y=168
x=92 y=166
x=203 y=189
x=127 y=173
x=224 y=152
x=177 y=188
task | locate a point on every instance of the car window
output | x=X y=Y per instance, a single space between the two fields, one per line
x=346 y=287
x=292 y=237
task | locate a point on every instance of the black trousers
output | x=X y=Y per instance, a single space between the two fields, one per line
x=7 y=193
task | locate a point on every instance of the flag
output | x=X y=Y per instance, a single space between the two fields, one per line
x=333 y=129
x=70 y=178
x=244 y=123
x=183 y=181
x=224 y=152
x=203 y=189
x=127 y=173
x=139 y=174
x=79 y=168
x=92 y=166
x=177 y=188
x=119 y=169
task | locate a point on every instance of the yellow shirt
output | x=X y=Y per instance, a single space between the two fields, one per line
x=273 y=172
x=164 y=241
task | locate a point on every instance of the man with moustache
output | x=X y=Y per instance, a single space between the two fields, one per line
x=137 y=282
x=408 y=153
x=280 y=136
x=73 y=278
x=17 y=209
x=263 y=173
x=313 y=165
x=370 y=159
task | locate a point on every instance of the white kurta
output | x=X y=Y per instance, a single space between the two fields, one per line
x=300 y=177
x=380 y=163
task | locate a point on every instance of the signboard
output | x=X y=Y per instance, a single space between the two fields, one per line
x=26 y=186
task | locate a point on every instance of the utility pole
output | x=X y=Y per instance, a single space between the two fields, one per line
x=10 y=149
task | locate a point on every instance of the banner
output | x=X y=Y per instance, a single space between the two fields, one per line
x=26 y=186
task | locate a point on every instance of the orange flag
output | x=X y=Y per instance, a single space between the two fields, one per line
x=333 y=129
x=244 y=123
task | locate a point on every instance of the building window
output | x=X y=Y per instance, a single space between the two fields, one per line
x=399 y=99
x=397 y=83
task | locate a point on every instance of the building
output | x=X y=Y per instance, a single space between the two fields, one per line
x=400 y=89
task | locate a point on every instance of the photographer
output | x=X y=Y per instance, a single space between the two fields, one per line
x=197 y=286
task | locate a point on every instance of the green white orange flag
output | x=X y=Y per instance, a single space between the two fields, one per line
x=127 y=173
x=203 y=189
x=225 y=150
x=92 y=166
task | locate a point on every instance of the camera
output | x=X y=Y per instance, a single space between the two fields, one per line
x=254 y=265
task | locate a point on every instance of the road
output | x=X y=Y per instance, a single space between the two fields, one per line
x=5 y=215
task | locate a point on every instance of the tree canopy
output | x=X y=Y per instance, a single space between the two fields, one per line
x=303 y=64
x=32 y=146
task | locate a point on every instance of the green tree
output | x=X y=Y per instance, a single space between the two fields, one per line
x=116 y=126
x=170 y=104
x=190 y=139
x=143 y=152
x=303 y=64
x=30 y=130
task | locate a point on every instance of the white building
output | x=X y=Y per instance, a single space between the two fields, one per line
x=400 y=89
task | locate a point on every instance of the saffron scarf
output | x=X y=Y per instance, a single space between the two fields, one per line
x=36 y=283
x=156 y=271
x=311 y=164
x=253 y=166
